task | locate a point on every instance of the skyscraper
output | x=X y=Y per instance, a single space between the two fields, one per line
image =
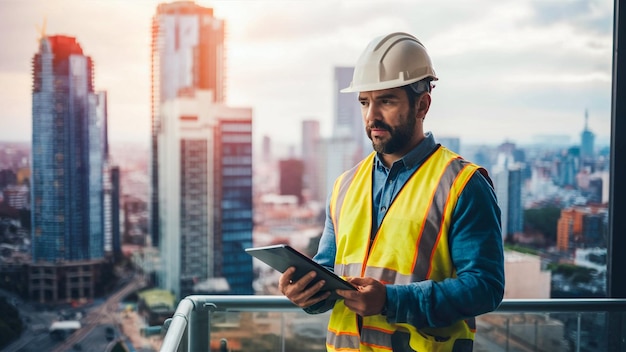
x=68 y=154
x=205 y=192
x=291 y=177
x=187 y=54
x=310 y=157
x=348 y=143
x=587 y=140
x=68 y=157
x=348 y=122
x=201 y=207
x=507 y=179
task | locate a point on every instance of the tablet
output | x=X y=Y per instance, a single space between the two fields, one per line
x=282 y=256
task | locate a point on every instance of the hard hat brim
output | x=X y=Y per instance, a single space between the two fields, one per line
x=383 y=85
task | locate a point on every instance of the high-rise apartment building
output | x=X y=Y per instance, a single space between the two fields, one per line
x=205 y=195
x=187 y=54
x=68 y=157
x=507 y=180
x=310 y=157
x=582 y=227
x=291 y=178
x=567 y=167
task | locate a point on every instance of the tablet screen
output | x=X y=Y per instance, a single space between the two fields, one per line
x=282 y=256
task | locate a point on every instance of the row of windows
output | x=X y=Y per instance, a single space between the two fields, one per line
x=237 y=149
x=238 y=235
x=236 y=193
x=227 y=204
x=237 y=214
x=237 y=138
x=236 y=127
x=237 y=182
x=237 y=171
x=237 y=160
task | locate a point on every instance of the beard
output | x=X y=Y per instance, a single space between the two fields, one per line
x=400 y=136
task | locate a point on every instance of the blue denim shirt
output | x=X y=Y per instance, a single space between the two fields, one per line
x=475 y=247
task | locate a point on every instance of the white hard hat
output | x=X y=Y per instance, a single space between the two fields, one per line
x=391 y=61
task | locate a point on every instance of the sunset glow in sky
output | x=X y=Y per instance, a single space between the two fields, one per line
x=508 y=69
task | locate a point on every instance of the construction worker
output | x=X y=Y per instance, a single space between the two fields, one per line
x=414 y=226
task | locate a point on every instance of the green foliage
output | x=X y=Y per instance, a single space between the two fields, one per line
x=543 y=220
x=521 y=249
x=577 y=274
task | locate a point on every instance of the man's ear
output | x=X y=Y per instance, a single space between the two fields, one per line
x=422 y=104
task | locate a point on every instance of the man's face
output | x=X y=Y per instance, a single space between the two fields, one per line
x=389 y=120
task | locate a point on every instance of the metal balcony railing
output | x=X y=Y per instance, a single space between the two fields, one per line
x=585 y=324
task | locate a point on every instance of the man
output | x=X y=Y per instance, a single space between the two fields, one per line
x=413 y=226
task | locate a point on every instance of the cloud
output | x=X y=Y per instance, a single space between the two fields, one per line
x=513 y=64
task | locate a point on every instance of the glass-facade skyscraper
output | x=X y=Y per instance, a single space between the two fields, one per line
x=234 y=190
x=68 y=154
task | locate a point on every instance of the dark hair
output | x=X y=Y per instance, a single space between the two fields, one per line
x=415 y=89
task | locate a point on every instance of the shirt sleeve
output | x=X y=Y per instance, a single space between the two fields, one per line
x=326 y=257
x=477 y=253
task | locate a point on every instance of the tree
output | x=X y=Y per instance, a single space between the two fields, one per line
x=542 y=220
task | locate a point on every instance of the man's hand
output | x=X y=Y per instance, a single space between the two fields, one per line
x=368 y=299
x=297 y=292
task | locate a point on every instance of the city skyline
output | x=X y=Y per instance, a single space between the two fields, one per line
x=518 y=69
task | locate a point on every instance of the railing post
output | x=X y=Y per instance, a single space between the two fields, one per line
x=200 y=328
x=282 y=332
x=508 y=333
x=184 y=341
x=536 y=347
x=176 y=336
x=578 y=330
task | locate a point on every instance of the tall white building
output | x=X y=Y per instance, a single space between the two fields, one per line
x=205 y=220
x=187 y=53
x=507 y=181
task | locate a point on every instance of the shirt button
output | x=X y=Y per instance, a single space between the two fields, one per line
x=383 y=209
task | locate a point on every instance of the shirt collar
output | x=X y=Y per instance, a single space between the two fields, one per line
x=414 y=156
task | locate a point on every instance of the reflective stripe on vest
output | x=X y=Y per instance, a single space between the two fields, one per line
x=411 y=245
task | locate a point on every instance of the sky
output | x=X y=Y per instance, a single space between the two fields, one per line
x=509 y=70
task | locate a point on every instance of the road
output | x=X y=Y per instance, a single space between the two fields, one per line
x=35 y=338
x=104 y=314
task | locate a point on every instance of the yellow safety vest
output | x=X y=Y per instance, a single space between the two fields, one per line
x=411 y=245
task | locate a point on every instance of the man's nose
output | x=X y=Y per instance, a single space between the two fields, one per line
x=371 y=113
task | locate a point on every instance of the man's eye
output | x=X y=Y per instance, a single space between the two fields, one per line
x=363 y=103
